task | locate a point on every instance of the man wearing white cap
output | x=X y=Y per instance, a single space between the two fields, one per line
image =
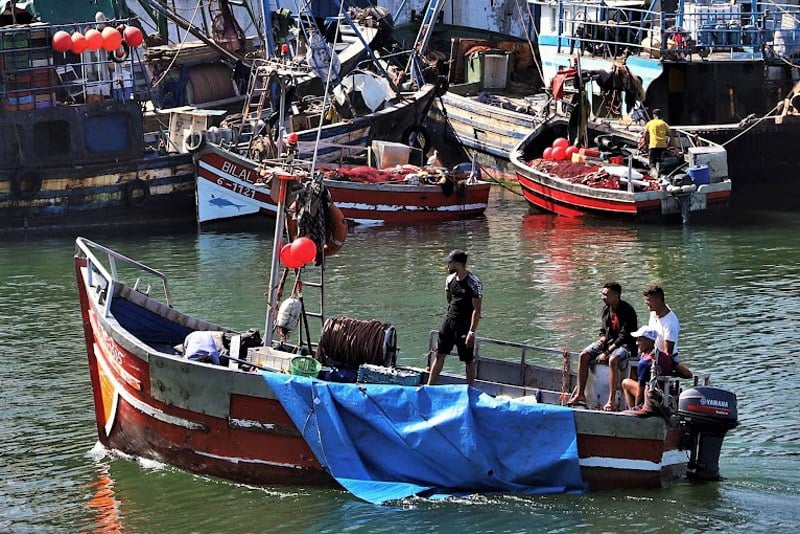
x=646 y=344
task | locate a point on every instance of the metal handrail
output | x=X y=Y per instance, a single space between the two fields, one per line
x=87 y=248
x=732 y=27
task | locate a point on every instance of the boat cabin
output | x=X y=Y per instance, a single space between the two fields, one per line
x=63 y=108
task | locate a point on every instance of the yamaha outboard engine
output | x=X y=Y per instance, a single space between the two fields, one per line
x=706 y=413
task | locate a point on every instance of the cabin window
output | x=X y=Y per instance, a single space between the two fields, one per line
x=108 y=133
x=553 y=19
x=51 y=138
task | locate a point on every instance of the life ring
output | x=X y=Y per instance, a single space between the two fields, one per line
x=417 y=136
x=124 y=57
x=337 y=225
x=194 y=141
x=136 y=193
x=26 y=184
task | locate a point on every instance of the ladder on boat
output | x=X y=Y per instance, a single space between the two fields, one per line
x=423 y=39
x=257 y=100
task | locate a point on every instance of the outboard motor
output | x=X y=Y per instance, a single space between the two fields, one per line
x=706 y=413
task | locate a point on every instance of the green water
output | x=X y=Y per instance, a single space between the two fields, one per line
x=735 y=286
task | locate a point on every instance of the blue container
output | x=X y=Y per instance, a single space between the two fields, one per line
x=721 y=35
x=705 y=35
x=735 y=34
x=700 y=174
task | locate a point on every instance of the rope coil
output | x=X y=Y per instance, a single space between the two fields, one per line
x=351 y=342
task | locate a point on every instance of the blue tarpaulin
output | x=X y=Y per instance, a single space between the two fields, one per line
x=383 y=442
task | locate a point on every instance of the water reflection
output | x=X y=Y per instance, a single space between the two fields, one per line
x=103 y=503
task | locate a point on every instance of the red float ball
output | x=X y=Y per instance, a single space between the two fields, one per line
x=62 y=41
x=548 y=153
x=78 y=43
x=288 y=259
x=304 y=250
x=570 y=150
x=559 y=153
x=133 y=36
x=112 y=39
x=292 y=138
x=94 y=40
x=560 y=142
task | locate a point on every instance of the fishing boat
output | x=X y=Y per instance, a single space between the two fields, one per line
x=365 y=109
x=74 y=143
x=393 y=191
x=374 y=429
x=209 y=65
x=612 y=178
x=721 y=69
x=494 y=99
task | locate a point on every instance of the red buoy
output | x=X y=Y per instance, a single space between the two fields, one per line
x=62 y=41
x=112 y=39
x=94 y=40
x=78 y=43
x=133 y=36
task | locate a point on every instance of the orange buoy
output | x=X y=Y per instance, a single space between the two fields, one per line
x=338 y=226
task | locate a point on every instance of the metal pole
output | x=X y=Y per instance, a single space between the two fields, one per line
x=277 y=244
x=269 y=43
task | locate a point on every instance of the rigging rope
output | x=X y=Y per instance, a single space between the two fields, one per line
x=155 y=83
x=311 y=213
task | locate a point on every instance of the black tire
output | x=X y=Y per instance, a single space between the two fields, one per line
x=136 y=193
x=26 y=184
x=194 y=142
x=113 y=55
x=417 y=136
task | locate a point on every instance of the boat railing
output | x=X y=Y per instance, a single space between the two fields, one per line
x=109 y=271
x=35 y=76
x=610 y=30
x=524 y=348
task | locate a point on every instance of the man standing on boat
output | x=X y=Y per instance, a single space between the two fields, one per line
x=464 y=293
x=664 y=321
x=614 y=347
x=656 y=133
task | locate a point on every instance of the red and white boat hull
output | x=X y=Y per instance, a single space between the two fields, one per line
x=229 y=186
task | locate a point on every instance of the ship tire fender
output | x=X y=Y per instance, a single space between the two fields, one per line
x=120 y=59
x=194 y=141
x=26 y=184
x=338 y=226
x=412 y=137
x=136 y=193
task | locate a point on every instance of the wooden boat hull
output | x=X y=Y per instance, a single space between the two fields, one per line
x=224 y=422
x=228 y=187
x=153 y=406
x=488 y=131
x=489 y=121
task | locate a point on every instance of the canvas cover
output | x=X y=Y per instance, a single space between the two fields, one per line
x=385 y=442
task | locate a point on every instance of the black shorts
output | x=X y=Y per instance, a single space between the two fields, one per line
x=655 y=155
x=451 y=334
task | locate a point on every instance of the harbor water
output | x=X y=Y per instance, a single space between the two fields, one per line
x=734 y=284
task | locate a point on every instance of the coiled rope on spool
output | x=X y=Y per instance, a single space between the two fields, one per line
x=352 y=342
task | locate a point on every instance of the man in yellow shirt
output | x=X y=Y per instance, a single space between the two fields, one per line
x=656 y=132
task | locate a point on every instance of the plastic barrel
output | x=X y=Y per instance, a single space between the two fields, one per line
x=700 y=174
